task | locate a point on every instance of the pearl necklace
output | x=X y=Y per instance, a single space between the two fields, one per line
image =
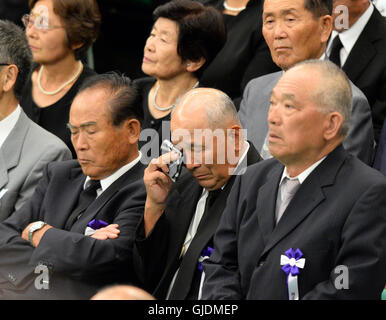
x=229 y=8
x=51 y=93
x=171 y=106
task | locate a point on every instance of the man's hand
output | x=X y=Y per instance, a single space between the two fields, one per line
x=109 y=232
x=36 y=236
x=158 y=185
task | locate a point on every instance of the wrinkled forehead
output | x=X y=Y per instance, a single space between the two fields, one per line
x=92 y=102
x=198 y=138
x=283 y=6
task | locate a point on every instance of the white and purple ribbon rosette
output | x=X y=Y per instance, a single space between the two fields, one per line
x=205 y=254
x=93 y=226
x=292 y=261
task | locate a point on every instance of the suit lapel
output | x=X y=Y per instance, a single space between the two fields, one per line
x=185 y=207
x=96 y=206
x=11 y=149
x=64 y=205
x=3 y=171
x=266 y=203
x=204 y=234
x=363 y=51
x=305 y=200
x=308 y=197
x=180 y=209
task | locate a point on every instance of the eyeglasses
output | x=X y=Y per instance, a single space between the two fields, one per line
x=4 y=64
x=40 y=22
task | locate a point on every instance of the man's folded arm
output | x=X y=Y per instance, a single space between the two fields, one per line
x=81 y=256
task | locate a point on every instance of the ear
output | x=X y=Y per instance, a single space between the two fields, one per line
x=9 y=76
x=133 y=127
x=333 y=124
x=77 y=46
x=235 y=137
x=192 y=66
x=326 y=24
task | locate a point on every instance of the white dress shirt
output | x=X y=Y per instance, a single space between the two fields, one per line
x=8 y=123
x=350 y=36
x=300 y=177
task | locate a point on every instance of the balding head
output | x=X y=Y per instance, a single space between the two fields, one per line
x=211 y=105
x=333 y=92
x=122 y=292
x=205 y=125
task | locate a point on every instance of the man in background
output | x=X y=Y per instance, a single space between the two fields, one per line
x=358 y=46
x=296 y=31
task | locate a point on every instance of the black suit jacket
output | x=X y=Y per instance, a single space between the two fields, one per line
x=245 y=54
x=79 y=264
x=337 y=217
x=366 y=67
x=157 y=257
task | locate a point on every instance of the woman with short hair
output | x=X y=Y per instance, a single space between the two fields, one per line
x=185 y=38
x=59 y=33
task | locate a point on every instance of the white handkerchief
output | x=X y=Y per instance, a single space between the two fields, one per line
x=3 y=192
x=89 y=231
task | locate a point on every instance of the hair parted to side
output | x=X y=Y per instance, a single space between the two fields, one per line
x=81 y=19
x=201 y=30
x=334 y=94
x=123 y=96
x=319 y=8
x=14 y=49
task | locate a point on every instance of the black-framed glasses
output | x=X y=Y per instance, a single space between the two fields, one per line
x=4 y=64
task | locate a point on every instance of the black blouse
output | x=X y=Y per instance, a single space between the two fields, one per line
x=153 y=131
x=55 y=117
x=245 y=54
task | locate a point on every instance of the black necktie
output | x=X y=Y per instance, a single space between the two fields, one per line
x=86 y=197
x=335 y=51
x=212 y=196
x=188 y=262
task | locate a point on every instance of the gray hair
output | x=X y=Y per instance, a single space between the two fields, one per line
x=14 y=49
x=334 y=93
x=220 y=109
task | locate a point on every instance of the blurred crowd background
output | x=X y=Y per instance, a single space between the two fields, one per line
x=125 y=27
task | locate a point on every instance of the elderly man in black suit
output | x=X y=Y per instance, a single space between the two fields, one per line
x=181 y=218
x=310 y=223
x=358 y=46
x=68 y=231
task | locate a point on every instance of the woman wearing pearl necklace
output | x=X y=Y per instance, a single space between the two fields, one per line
x=58 y=36
x=185 y=38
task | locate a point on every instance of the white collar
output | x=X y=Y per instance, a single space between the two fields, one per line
x=302 y=176
x=8 y=123
x=243 y=155
x=107 y=182
x=350 y=36
x=322 y=57
x=241 y=159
